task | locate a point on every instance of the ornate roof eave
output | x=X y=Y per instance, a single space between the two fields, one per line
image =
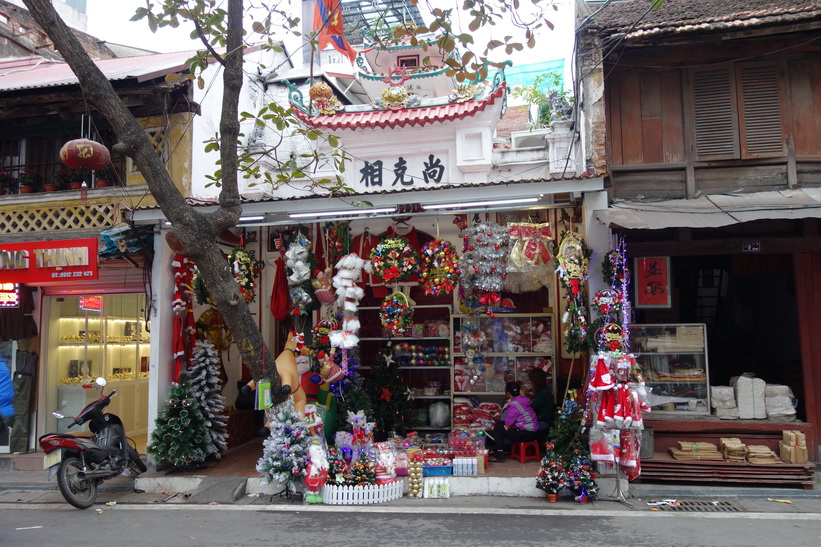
x=297 y=100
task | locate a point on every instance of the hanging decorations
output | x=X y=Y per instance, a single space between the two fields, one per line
x=441 y=267
x=615 y=389
x=396 y=314
x=572 y=271
x=394 y=259
x=85 y=154
x=298 y=260
x=483 y=264
x=323 y=99
x=529 y=261
x=245 y=269
x=348 y=294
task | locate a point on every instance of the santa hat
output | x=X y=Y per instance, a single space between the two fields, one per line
x=602 y=379
x=606 y=414
x=602 y=451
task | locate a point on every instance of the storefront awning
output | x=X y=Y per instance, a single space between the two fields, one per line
x=713 y=211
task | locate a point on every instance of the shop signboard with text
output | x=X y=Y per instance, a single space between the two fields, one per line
x=36 y=262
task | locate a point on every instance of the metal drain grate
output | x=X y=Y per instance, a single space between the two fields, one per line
x=702 y=506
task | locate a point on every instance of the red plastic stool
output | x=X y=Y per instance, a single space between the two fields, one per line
x=522 y=451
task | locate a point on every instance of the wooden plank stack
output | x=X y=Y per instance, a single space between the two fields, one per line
x=733 y=449
x=700 y=451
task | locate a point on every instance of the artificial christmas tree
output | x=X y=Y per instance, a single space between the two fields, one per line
x=581 y=478
x=351 y=397
x=205 y=387
x=285 y=451
x=568 y=434
x=336 y=467
x=181 y=437
x=362 y=472
x=389 y=395
x=551 y=477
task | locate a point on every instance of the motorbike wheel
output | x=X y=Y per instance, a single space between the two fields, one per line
x=135 y=459
x=81 y=493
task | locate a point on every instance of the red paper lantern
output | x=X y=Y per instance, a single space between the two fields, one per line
x=84 y=153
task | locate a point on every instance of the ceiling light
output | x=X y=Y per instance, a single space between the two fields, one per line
x=251 y=218
x=348 y=212
x=472 y=204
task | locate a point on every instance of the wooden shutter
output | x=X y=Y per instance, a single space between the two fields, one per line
x=760 y=112
x=715 y=120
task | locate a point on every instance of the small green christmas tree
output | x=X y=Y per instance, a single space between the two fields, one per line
x=285 y=451
x=181 y=437
x=551 y=476
x=581 y=478
x=362 y=472
x=389 y=395
x=336 y=467
x=351 y=396
x=206 y=386
x=568 y=434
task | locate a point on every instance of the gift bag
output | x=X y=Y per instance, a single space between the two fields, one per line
x=264 y=394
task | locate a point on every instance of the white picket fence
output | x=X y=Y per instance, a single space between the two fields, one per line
x=361 y=495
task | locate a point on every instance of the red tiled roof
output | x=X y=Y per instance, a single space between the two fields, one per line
x=675 y=16
x=415 y=116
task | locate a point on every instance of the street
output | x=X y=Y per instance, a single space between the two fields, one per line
x=61 y=525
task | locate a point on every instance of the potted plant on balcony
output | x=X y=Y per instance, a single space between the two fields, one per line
x=76 y=177
x=59 y=179
x=29 y=181
x=104 y=177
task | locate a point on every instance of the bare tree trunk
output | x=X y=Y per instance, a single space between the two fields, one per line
x=193 y=233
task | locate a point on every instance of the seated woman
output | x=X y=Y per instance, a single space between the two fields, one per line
x=542 y=401
x=518 y=424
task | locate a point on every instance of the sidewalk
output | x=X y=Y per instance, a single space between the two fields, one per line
x=510 y=485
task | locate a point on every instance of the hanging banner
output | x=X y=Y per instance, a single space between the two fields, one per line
x=652 y=282
x=34 y=262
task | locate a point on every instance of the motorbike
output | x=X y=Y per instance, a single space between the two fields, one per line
x=82 y=463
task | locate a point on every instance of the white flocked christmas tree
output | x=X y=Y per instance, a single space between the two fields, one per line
x=204 y=377
x=285 y=451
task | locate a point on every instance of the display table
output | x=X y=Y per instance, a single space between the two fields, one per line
x=668 y=432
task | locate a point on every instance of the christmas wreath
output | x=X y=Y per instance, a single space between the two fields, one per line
x=245 y=269
x=394 y=259
x=441 y=269
x=396 y=313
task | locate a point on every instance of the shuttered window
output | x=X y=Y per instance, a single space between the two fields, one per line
x=737 y=113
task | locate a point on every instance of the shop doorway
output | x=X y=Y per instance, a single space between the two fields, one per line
x=748 y=303
x=91 y=336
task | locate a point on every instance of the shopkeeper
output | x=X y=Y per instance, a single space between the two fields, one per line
x=518 y=424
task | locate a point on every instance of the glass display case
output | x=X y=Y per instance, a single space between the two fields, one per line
x=673 y=359
x=490 y=351
x=98 y=335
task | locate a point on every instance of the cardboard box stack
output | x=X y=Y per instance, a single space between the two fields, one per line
x=733 y=449
x=793 y=447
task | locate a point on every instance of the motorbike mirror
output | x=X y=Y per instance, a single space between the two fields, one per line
x=57 y=414
x=100 y=381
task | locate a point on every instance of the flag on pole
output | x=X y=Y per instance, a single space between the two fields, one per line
x=328 y=21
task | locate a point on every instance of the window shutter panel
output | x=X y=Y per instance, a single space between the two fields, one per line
x=761 y=133
x=715 y=115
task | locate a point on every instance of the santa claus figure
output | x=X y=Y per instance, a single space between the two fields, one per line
x=316 y=473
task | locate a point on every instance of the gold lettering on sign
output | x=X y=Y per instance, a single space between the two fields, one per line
x=60 y=258
x=14 y=260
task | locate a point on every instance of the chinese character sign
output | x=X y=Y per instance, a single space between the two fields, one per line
x=652 y=282
x=402 y=172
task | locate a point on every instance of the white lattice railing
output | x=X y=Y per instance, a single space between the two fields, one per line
x=361 y=495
